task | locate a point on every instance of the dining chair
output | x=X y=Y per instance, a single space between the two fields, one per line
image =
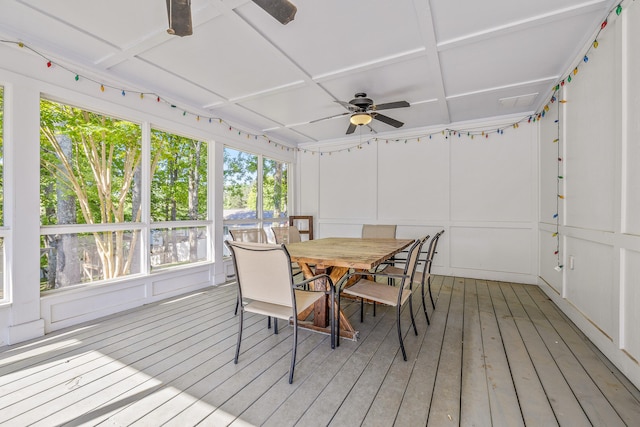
x=419 y=277
x=288 y=234
x=379 y=231
x=371 y=290
x=266 y=287
x=256 y=235
x=426 y=274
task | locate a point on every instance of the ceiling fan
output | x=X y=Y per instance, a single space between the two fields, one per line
x=179 y=14
x=363 y=111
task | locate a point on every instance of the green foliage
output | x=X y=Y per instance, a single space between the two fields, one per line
x=240 y=179
x=97 y=169
x=241 y=187
x=179 y=167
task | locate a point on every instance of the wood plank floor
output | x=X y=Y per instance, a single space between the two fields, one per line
x=495 y=354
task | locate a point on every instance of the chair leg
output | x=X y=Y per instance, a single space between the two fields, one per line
x=374 y=309
x=235 y=360
x=275 y=325
x=268 y=322
x=361 y=310
x=433 y=304
x=332 y=313
x=424 y=306
x=235 y=312
x=413 y=322
x=338 y=322
x=404 y=353
x=293 y=351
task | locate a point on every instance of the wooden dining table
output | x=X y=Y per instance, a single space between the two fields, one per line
x=336 y=256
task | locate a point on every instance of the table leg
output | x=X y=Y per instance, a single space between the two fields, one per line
x=321 y=319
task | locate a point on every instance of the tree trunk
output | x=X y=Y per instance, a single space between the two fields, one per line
x=194 y=185
x=136 y=203
x=68 y=265
x=277 y=190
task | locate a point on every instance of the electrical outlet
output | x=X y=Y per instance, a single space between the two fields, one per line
x=571 y=262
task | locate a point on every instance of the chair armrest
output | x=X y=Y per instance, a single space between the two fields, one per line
x=319 y=276
x=344 y=279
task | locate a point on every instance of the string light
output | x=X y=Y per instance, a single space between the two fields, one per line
x=556 y=215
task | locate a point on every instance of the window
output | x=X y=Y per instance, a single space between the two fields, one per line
x=92 y=192
x=178 y=194
x=90 y=196
x=255 y=191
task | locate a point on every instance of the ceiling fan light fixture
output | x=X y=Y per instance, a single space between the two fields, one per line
x=360 y=119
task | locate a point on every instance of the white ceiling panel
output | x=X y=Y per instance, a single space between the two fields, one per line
x=331 y=35
x=476 y=17
x=166 y=84
x=293 y=106
x=231 y=59
x=407 y=80
x=514 y=58
x=99 y=19
x=487 y=104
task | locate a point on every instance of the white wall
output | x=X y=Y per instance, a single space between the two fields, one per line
x=481 y=191
x=599 y=231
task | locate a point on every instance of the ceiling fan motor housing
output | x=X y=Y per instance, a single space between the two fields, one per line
x=361 y=101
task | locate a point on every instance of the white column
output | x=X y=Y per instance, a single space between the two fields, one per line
x=22 y=152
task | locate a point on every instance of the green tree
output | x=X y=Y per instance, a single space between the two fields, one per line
x=179 y=185
x=240 y=173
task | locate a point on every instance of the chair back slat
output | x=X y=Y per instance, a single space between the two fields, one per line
x=432 y=251
x=289 y=234
x=255 y=235
x=263 y=272
x=412 y=260
x=379 y=231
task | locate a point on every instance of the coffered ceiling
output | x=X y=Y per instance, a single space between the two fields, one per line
x=451 y=60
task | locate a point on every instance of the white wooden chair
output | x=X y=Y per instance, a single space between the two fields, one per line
x=265 y=286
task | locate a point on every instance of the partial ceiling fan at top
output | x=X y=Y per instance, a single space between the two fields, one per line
x=363 y=111
x=179 y=14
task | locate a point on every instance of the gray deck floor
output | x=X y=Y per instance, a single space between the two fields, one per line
x=496 y=353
